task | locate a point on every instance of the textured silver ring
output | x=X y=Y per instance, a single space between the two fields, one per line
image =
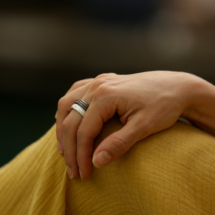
x=79 y=109
x=82 y=103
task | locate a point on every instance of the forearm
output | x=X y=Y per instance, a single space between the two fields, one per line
x=201 y=111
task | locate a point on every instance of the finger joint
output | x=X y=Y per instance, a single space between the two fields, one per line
x=120 y=144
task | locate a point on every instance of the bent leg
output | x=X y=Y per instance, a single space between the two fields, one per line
x=34 y=181
x=171 y=172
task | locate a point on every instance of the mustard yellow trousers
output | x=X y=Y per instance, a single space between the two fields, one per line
x=171 y=172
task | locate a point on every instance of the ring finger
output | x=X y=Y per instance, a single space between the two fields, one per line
x=64 y=108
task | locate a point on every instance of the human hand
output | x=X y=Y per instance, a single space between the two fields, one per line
x=146 y=103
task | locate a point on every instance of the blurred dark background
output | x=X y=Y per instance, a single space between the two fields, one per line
x=45 y=46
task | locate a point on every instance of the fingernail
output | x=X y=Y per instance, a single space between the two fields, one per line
x=59 y=148
x=80 y=174
x=101 y=159
x=70 y=174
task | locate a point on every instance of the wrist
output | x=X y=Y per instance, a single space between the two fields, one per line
x=200 y=106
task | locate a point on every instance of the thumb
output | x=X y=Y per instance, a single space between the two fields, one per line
x=117 y=144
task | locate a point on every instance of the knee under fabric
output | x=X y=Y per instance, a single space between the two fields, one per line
x=171 y=172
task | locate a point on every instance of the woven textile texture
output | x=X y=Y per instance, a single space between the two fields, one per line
x=169 y=173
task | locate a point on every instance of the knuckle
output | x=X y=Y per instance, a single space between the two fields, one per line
x=59 y=133
x=98 y=82
x=64 y=104
x=119 y=144
x=69 y=155
x=58 y=130
x=61 y=103
x=65 y=125
x=104 y=75
x=84 y=158
x=103 y=91
x=80 y=83
x=82 y=134
x=79 y=133
x=148 y=128
x=76 y=85
x=101 y=80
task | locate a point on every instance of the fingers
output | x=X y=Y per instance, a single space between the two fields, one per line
x=89 y=128
x=85 y=138
x=64 y=108
x=69 y=127
x=73 y=132
x=118 y=143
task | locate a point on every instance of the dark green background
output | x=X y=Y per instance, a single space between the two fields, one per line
x=45 y=46
x=23 y=121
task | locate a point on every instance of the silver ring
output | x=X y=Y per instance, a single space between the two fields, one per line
x=79 y=109
x=82 y=103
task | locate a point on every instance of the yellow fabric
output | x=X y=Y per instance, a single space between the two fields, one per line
x=169 y=173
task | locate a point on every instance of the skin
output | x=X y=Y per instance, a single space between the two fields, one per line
x=146 y=103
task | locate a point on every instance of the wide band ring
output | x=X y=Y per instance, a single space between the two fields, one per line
x=79 y=109
x=82 y=103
